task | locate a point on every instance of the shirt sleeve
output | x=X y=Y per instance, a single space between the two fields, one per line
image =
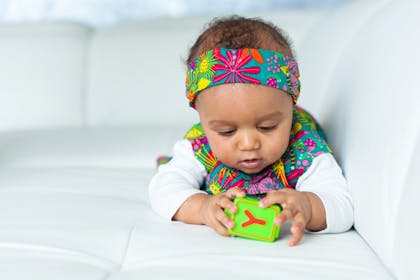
x=176 y=181
x=325 y=178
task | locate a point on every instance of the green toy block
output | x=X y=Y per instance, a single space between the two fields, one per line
x=252 y=221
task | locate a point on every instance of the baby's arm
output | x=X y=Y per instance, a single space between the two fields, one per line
x=174 y=192
x=325 y=179
x=321 y=201
x=176 y=181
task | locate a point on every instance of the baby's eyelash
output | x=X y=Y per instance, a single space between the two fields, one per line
x=226 y=133
x=267 y=128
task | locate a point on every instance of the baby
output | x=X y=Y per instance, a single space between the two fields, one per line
x=252 y=139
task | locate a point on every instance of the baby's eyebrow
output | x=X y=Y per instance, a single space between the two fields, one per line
x=274 y=115
x=219 y=122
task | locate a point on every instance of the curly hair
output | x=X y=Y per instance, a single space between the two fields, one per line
x=241 y=32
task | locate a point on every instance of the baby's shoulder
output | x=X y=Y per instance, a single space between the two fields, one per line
x=307 y=139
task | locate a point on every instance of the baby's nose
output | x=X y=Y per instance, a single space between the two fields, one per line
x=248 y=142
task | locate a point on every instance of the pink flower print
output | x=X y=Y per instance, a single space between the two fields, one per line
x=262 y=186
x=311 y=144
x=233 y=67
x=294 y=75
x=162 y=160
x=292 y=65
x=197 y=143
x=294 y=85
x=192 y=65
x=272 y=64
x=305 y=162
x=272 y=82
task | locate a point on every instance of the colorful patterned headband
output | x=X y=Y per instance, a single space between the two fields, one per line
x=255 y=66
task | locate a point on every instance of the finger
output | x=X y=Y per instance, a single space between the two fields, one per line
x=299 y=222
x=297 y=236
x=213 y=222
x=226 y=203
x=219 y=228
x=235 y=192
x=222 y=218
x=273 y=197
x=285 y=215
x=289 y=207
x=297 y=229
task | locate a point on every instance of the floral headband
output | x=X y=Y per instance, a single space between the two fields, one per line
x=256 y=66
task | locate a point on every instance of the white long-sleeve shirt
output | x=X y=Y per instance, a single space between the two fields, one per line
x=182 y=177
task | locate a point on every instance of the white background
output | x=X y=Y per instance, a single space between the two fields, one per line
x=103 y=12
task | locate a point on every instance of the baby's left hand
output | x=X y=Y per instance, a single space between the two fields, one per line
x=296 y=207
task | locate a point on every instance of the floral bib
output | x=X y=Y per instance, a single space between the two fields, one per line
x=307 y=140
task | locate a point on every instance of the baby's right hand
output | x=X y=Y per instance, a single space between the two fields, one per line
x=212 y=210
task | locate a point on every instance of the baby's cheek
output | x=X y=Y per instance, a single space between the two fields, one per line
x=224 y=154
x=217 y=146
x=277 y=150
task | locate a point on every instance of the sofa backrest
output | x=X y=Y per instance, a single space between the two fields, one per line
x=136 y=73
x=42 y=70
x=323 y=46
x=370 y=100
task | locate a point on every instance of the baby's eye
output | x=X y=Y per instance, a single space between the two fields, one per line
x=226 y=132
x=267 y=128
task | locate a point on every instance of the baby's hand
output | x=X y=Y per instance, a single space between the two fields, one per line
x=212 y=210
x=296 y=206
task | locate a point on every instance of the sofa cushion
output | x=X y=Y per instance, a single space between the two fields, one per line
x=98 y=220
x=158 y=249
x=18 y=263
x=88 y=212
x=68 y=222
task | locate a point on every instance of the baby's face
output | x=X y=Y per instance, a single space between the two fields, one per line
x=247 y=126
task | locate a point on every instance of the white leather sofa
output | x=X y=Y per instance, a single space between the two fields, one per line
x=84 y=113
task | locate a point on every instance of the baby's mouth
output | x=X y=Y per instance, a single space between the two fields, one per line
x=250 y=163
